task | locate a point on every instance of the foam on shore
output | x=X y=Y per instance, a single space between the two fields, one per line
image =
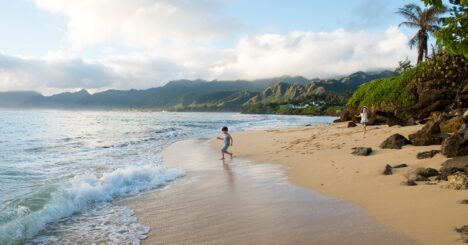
x=81 y=193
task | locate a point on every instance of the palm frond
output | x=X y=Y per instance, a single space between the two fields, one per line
x=413 y=41
x=408 y=14
x=414 y=8
x=409 y=24
x=433 y=12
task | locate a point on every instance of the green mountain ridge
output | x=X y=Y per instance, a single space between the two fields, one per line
x=191 y=95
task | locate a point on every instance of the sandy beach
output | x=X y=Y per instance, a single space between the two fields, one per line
x=319 y=158
x=242 y=202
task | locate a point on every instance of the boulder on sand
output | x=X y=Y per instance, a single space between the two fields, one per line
x=457 y=181
x=351 y=124
x=423 y=174
x=427 y=154
x=457 y=144
x=402 y=165
x=463 y=232
x=451 y=166
x=388 y=170
x=452 y=125
x=362 y=151
x=396 y=141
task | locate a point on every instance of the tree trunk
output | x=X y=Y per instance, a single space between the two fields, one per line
x=422 y=45
x=420 y=55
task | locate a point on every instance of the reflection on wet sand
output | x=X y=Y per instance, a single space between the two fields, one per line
x=239 y=202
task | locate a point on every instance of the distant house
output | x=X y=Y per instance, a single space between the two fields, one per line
x=292 y=106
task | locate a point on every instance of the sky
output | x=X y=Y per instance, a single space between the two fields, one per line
x=53 y=46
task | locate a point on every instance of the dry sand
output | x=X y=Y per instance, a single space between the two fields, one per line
x=319 y=158
x=240 y=202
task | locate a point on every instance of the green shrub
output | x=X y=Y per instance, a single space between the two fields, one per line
x=448 y=70
x=333 y=110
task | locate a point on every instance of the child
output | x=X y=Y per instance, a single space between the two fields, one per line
x=364 y=119
x=227 y=142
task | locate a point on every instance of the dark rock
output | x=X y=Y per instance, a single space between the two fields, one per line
x=403 y=165
x=337 y=120
x=420 y=138
x=390 y=119
x=423 y=174
x=432 y=127
x=395 y=141
x=351 y=124
x=427 y=154
x=409 y=182
x=457 y=144
x=347 y=115
x=426 y=172
x=464 y=201
x=429 y=135
x=362 y=151
x=451 y=166
x=463 y=231
x=452 y=125
x=388 y=170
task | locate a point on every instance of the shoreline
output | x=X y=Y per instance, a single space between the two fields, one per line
x=242 y=202
x=319 y=158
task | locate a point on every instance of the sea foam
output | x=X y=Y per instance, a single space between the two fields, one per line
x=82 y=192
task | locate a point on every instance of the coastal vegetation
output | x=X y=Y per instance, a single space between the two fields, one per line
x=440 y=83
x=402 y=90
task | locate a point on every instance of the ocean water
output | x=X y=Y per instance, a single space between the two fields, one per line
x=62 y=172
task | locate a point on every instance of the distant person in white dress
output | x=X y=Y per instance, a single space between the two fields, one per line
x=364 y=118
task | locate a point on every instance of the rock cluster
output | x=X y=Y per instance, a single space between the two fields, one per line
x=430 y=134
x=454 y=165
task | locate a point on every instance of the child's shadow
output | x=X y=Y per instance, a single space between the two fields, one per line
x=227 y=168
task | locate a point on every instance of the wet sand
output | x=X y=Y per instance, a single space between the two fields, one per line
x=240 y=202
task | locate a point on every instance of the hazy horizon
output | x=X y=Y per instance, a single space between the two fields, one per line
x=93 y=91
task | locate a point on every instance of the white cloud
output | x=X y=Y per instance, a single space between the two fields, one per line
x=145 y=43
x=148 y=23
x=315 y=54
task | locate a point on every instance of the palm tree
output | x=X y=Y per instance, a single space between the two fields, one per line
x=423 y=19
